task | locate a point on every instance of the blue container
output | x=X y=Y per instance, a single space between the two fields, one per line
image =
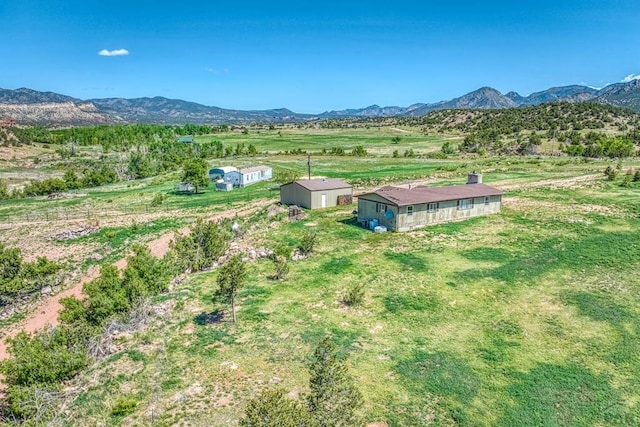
x=373 y=223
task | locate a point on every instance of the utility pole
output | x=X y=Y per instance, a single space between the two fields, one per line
x=309 y=166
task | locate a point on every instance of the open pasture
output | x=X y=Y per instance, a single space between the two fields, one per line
x=525 y=318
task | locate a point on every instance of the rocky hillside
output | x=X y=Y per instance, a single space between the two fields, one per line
x=625 y=95
x=56 y=114
x=574 y=93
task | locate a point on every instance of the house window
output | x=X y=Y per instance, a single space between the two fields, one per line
x=432 y=207
x=464 y=204
x=486 y=200
x=409 y=210
x=381 y=207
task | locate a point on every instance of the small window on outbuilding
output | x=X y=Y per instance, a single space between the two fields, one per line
x=432 y=207
x=381 y=207
x=486 y=200
x=409 y=210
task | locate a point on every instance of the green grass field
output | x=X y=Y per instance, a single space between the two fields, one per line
x=526 y=318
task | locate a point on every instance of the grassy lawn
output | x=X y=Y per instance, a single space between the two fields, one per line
x=526 y=318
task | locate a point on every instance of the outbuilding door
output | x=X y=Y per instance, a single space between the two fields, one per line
x=323 y=200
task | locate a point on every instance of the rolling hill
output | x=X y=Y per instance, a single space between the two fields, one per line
x=27 y=106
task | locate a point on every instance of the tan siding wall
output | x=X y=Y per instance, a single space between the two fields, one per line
x=332 y=197
x=294 y=194
x=447 y=211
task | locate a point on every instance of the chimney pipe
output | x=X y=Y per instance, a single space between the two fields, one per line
x=474 y=178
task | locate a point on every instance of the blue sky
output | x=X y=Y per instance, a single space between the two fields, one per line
x=311 y=57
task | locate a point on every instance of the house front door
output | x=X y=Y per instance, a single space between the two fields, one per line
x=323 y=200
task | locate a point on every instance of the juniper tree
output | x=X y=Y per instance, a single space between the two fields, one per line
x=334 y=400
x=272 y=408
x=230 y=280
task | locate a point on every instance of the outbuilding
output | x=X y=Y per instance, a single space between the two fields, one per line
x=316 y=193
x=222 y=172
x=403 y=209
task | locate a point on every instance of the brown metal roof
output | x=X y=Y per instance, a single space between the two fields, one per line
x=321 y=184
x=422 y=194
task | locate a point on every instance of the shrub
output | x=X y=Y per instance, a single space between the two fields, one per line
x=308 y=242
x=282 y=267
x=207 y=241
x=4 y=192
x=359 y=151
x=36 y=403
x=354 y=295
x=158 y=199
x=628 y=179
x=18 y=278
x=48 y=357
x=449 y=148
x=272 y=408
x=124 y=406
x=610 y=173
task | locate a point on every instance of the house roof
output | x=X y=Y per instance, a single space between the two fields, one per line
x=254 y=169
x=321 y=184
x=423 y=194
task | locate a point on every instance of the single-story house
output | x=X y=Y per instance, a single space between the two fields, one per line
x=403 y=209
x=223 y=173
x=187 y=139
x=316 y=193
x=248 y=176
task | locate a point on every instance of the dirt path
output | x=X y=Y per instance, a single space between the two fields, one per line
x=400 y=130
x=47 y=312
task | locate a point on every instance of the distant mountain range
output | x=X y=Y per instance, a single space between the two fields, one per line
x=27 y=106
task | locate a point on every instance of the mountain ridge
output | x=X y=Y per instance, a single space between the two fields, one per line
x=28 y=106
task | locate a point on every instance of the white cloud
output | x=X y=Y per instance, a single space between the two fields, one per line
x=630 y=78
x=117 y=52
x=213 y=70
